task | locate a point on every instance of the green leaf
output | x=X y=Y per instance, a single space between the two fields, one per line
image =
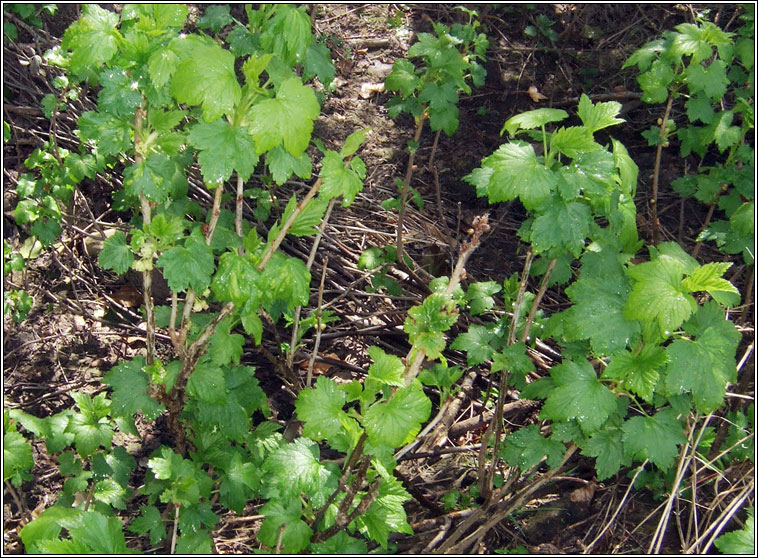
x=45 y=528
x=480 y=298
x=353 y=142
x=708 y=277
x=235 y=279
x=403 y=78
x=573 y=141
x=562 y=227
x=607 y=447
x=131 y=390
x=658 y=295
x=110 y=492
x=116 y=254
x=476 y=344
x=189 y=266
x=655 y=438
x=307 y=222
x=578 y=394
x=118 y=95
x=386 y=369
x=286 y=279
x=532 y=119
x=225 y=347
x=318 y=62
x=600 y=115
x=294 y=468
x=598 y=311
x=215 y=18
x=239 y=483
x=339 y=180
x=282 y=164
x=91 y=426
x=514 y=360
x=149 y=521
x=526 y=447
x=287 y=119
x=296 y=535
x=426 y=323
x=223 y=149
x=514 y=171
x=101 y=534
x=397 y=421
x=207 y=383
x=162 y=64
x=92 y=38
x=17 y=458
x=655 y=81
x=287 y=34
x=341 y=543
x=153 y=177
x=194 y=542
x=705 y=365
x=739 y=541
x=710 y=79
x=206 y=77
x=112 y=135
x=638 y=373
x=320 y=409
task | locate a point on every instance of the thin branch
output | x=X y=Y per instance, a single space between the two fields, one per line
x=316 y=344
x=657 y=171
x=406 y=187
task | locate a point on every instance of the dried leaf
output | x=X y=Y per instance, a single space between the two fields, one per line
x=535 y=95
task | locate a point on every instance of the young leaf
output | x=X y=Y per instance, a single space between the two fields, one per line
x=526 y=447
x=287 y=119
x=397 y=421
x=282 y=164
x=403 y=78
x=321 y=411
x=426 y=323
x=476 y=344
x=703 y=366
x=562 y=227
x=239 y=484
x=607 y=447
x=207 y=383
x=739 y=541
x=149 y=521
x=235 y=279
x=658 y=295
x=295 y=468
x=92 y=38
x=296 y=534
x=223 y=149
x=318 y=62
x=206 y=77
x=708 y=277
x=598 y=312
x=513 y=171
x=638 y=373
x=479 y=296
x=131 y=390
x=338 y=180
x=573 y=141
x=17 y=458
x=578 y=394
x=189 y=266
x=91 y=426
x=101 y=534
x=386 y=369
x=116 y=254
x=655 y=438
x=532 y=119
x=600 y=115
x=354 y=142
x=286 y=279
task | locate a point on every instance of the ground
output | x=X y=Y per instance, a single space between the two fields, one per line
x=85 y=320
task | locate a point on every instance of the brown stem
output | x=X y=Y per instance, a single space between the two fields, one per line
x=406 y=187
x=415 y=357
x=657 y=171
